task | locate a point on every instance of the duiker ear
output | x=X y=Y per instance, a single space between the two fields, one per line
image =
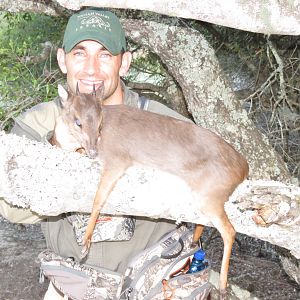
x=63 y=94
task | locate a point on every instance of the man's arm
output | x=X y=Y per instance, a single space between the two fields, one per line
x=18 y=215
x=159 y=108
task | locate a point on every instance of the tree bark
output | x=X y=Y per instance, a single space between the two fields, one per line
x=51 y=181
x=269 y=17
x=46 y=7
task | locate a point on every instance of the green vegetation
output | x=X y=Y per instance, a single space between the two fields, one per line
x=28 y=64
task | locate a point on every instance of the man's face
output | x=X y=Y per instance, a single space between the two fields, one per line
x=89 y=64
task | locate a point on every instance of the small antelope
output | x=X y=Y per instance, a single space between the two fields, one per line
x=123 y=136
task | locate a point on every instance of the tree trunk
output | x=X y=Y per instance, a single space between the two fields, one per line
x=51 y=181
x=269 y=17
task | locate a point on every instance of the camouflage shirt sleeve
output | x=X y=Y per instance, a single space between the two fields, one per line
x=36 y=122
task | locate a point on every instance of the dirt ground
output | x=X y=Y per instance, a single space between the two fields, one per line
x=256 y=269
x=19 y=273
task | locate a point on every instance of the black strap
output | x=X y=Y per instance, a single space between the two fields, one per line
x=143 y=103
x=176 y=254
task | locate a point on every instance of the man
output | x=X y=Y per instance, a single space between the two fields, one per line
x=93 y=54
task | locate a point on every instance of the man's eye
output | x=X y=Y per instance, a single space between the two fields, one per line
x=78 y=123
x=78 y=53
x=105 y=55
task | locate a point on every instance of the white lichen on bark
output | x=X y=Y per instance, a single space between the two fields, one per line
x=269 y=16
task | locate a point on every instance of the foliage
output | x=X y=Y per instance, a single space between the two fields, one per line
x=146 y=66
x=27 y=76
x=274 y=101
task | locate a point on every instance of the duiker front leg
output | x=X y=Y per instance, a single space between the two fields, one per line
x=107 y=182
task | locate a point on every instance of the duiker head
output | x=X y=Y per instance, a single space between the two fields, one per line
x=82 y=113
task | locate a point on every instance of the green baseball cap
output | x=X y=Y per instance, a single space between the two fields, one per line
x=98 y=25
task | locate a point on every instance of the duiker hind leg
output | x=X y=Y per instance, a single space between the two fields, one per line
x=212 y=206
x=197 y=234
x=227 y=232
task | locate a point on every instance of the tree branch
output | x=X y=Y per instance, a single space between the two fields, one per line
x=269 y=17
x=34 y=6
x=51 y=181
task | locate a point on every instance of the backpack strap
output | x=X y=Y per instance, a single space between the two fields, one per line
x=143 y=103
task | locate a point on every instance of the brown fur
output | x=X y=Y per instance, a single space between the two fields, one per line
x=124 y=136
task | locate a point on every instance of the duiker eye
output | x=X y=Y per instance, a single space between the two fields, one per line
x=77 y=122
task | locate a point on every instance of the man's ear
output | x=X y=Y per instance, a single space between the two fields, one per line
x=61 y=60
x=125 y=63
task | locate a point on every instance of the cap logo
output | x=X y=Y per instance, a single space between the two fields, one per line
x=93 y=20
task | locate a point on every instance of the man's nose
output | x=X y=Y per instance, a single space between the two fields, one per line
x=92 y=65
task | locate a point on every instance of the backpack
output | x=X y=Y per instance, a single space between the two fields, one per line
x=156 y=273
x=159 y=272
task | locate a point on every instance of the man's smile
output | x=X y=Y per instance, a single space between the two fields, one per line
x=90 y=85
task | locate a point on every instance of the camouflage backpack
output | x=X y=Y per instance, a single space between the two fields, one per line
x=158 y=272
